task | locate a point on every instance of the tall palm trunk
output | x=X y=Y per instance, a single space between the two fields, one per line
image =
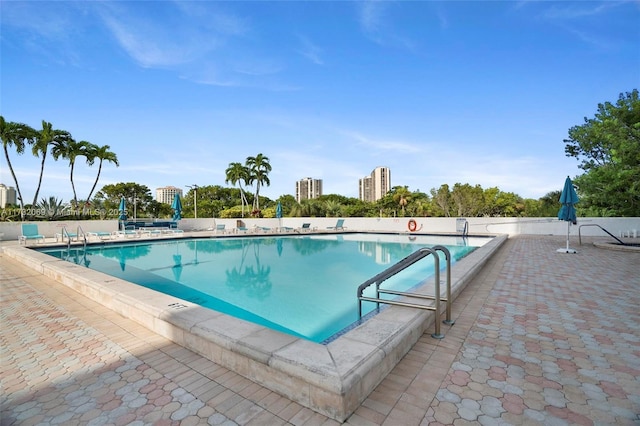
x=256 y=202
x=35 y=197
x=95 y=183
x=243 y=199
x=15 y=179
x=75 y=196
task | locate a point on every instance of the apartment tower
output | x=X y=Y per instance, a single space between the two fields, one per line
x=7 y=195
x=166 y=194
x=308 y=188
x=374 y=187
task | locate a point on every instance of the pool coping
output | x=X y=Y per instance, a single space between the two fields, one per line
x=332 y=379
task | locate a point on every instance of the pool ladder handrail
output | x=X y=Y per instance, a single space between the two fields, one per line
x=462 y=226
x=79 y=232
x=402 y=265
x=595 y=224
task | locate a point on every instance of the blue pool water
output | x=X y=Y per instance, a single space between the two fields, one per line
x=301 y=285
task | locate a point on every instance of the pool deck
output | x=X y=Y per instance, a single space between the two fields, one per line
x=540 y=337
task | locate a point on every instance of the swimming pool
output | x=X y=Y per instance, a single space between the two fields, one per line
x=332 y=378
x=301 y=285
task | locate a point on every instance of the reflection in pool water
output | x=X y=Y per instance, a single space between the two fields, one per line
x=301 y=285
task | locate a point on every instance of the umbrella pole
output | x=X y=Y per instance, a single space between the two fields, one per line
x=567 y=249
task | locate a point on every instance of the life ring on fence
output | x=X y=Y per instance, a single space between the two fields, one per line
x=412 y=225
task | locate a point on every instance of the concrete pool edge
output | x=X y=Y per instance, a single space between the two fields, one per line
x=332 y=379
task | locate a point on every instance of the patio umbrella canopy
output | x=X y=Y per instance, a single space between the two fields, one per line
x=279 y=210
x=177 y=207
x=568 y=212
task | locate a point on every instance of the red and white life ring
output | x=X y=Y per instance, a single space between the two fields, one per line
x=412 y=225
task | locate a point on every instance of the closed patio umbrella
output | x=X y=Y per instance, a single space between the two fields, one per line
x=568 y=212
x=279 y=214
x=177 y=207
x=122 y=209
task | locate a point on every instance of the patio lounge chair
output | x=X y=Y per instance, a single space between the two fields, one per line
x=306 y=227
x=173 y=231
x=128 y=231
x=99 y=235
x=339 y=225
x=30 y=232
x=221 y=229
x=60 y=236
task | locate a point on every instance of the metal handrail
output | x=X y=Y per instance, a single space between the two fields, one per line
x=465 y=227
x=80 y=231
x=64 y=231
x=595 y=224
x=448 y=299
x=400 y=266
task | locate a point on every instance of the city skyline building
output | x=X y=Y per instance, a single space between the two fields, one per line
x=375 y=186
x=167 y=193
x=364 y=189
x=308 y=188
x=7 y=195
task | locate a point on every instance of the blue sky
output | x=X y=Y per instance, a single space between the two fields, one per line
x=440 y=92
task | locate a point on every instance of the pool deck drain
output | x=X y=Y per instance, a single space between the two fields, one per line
x=540 y=338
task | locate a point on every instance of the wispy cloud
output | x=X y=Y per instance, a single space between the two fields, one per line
x=153 y=45
x=198 y=41
x=570 y=16
x=376 y=25
x=577 y=10
x=371 y=16
x=399 y=147
x=310 y=51
x=48 y=31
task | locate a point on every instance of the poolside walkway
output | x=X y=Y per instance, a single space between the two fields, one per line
x=540 y=338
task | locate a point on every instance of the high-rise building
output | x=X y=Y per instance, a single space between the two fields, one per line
x=381 y=178
x=7 y=195
x=308 y=188
x=374 y=187
x=166 y=194
x=364 y=189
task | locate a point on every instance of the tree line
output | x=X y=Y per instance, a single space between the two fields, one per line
x=607 y=146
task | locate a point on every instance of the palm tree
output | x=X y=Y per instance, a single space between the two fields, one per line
x=236 y=173
x=102 y=153
x=333 y=208
x=402 y=196
x=71 y=150
x=259 y=169
x=15 y=134
x=44 y=139
x=52 y=208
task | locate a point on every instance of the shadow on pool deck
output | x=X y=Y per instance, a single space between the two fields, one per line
x=540 y=337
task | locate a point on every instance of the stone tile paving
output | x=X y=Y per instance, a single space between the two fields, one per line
x=556 y=342
x=58 y=370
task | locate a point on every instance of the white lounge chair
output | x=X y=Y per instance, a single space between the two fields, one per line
x=100 y=235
